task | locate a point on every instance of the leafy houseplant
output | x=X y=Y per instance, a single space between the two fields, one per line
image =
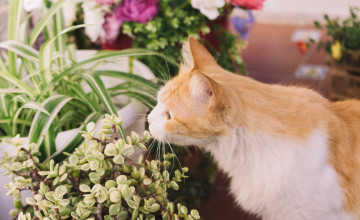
x=160 y=25
x=344 y=46
x=100 y=180
x=41 y=91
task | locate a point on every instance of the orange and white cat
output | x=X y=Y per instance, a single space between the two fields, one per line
x=290 y=153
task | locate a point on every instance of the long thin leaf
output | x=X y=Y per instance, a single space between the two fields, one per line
x=4 y=105
x=42 y=121
x=44 y=20
x=21 y=49
x=14 y=20
x=36 y=106
x=149 y=85
x=2 y=65
x=17 y=82
x=60 y=42
x=5 y=112
x=145 y=99
x=85 y=97
x=103 y=56
x=49 y=140
x=20 y=121
x=46 y=54
x=11 y=91
x=29 y=105
x=66 y=118
x=99 y=88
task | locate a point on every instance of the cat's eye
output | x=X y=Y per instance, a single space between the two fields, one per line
x=169 y=115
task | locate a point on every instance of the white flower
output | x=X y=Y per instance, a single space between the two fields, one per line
x=69 y=11
x=30 y=5
x=209 y=8
x=94 y=14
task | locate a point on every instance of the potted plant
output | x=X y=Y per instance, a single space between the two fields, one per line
x=160 y=25
x=48 y=95
x=99 y=180
x=344 y=45
x=49 y=84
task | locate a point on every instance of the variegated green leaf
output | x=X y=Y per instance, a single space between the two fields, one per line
x=147 y=84
x=42 y=121
x=46 y=54
x=44 y=21
x=14 y=21
x=14 y=80
x=98 y=87
x=21 y=49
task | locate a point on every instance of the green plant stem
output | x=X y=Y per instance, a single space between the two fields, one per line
x=184 y=4
x=24 y=208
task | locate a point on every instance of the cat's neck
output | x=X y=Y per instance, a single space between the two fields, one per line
x=262 y=167
x=240 y=150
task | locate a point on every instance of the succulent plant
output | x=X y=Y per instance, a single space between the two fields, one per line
x=99 y=180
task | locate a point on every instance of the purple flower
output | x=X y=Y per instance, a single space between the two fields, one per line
x=105 y=2
x=243 y=25
x=137 y=10
x=111 y=28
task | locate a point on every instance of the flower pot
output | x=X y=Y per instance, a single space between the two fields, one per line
x=133 y=115
x=122 y=42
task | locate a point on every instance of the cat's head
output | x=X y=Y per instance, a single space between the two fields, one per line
x=195 y=105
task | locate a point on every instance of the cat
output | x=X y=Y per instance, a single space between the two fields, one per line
x=289 y=152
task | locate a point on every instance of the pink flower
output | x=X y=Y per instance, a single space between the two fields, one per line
x=105 y=2
x=249 y=4
x=137 y=10
x=111 y=28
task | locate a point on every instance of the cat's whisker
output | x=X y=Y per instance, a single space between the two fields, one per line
x=152 y=144
x=175 y=156
x=203 y=152
x=164 y=152
x=158 y=156
x=166 y=66
x=162 y=75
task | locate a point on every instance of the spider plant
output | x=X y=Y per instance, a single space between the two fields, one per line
x=41 y=91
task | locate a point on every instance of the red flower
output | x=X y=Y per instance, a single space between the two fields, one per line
x=137 y=10
x=249 y=4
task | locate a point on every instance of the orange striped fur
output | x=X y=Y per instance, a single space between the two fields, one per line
x=206 y=100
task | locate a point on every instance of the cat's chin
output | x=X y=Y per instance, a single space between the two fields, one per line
x=181 y=140
x=160 y=135
x=170 y=138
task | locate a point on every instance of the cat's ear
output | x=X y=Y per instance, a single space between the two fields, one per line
x=203 y=89
x=201 y=58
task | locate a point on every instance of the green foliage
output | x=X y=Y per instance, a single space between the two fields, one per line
x=41 y=91
x=99 y=180
x=346 y=32
x=170 y=28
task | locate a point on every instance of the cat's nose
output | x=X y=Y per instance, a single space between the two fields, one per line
x=149 y=121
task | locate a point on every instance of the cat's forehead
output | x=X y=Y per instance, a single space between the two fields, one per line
x=174 y=87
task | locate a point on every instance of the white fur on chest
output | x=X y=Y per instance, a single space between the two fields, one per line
x=278 y=178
